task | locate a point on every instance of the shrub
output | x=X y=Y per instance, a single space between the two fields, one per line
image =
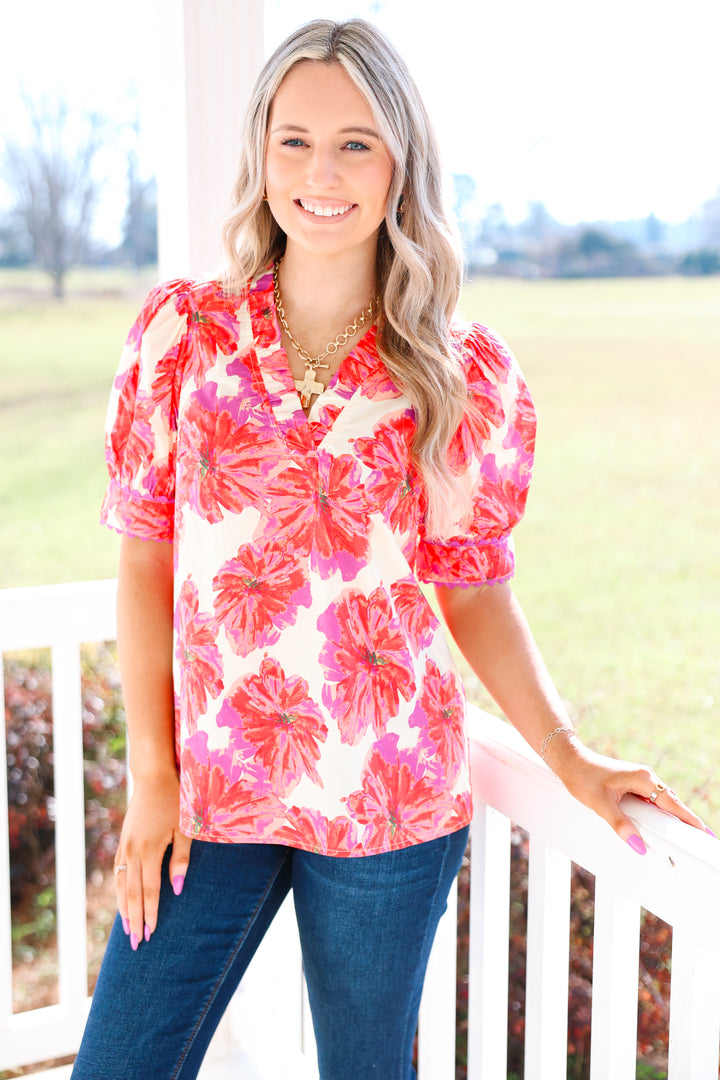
x=31 y=806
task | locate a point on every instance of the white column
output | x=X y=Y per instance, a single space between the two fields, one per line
x=207 y=56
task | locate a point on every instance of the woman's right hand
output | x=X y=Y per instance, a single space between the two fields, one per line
x=151 y=825
x=145 y=649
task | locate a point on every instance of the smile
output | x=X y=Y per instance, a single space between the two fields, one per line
x=325 y=210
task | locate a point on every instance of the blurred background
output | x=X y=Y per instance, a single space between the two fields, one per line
x=583 y=166
x=550 y=115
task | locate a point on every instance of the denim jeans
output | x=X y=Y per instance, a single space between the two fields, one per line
x=366 y=928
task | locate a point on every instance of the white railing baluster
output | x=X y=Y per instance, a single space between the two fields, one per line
x=489 y=950
x=694 y=1004
x=62 y=617
x=616 y=954
x=436 y=1039
x=548 y=950
x=69 y=823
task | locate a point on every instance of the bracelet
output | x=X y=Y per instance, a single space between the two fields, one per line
x=564 y=730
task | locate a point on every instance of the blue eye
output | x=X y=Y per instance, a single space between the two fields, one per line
x=355 y=145
x=292 y=142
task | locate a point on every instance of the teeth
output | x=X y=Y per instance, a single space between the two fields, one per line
x=325 y=211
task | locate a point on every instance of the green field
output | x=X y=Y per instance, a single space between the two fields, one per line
x=618 y=556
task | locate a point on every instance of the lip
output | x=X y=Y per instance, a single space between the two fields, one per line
x=321 y=218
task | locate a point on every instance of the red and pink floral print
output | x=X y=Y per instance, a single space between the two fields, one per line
x=317 y=703
x=277 y=716
x=366 y=661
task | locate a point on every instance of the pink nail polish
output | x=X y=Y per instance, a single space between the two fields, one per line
x=709 y=830
x=146 y=932
x=177 y=883
x=636 y=843
x=126 y=925
x=134 y=941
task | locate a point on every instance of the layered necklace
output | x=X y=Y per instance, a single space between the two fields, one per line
x=308 y=385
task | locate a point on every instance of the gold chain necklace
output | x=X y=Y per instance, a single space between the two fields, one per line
x=308 y=385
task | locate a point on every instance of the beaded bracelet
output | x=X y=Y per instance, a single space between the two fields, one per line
x=564 y=730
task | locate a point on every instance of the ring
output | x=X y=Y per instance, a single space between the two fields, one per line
x=659 y=788
x=119 y=868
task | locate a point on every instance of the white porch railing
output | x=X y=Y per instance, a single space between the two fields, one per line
x=679 y=880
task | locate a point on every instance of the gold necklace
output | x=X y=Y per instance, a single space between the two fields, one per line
x=308 y=385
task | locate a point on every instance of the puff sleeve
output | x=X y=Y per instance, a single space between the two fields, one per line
x=142 y=422
x=492 y=454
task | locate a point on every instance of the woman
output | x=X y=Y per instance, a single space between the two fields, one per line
x=291 y=453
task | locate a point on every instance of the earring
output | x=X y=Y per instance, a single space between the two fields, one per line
x=264 y=198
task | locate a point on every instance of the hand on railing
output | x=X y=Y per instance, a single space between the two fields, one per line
x=600 y=783
x=150 y=827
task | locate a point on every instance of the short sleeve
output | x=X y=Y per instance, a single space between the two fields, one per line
x=142 y=421
x=492 y=454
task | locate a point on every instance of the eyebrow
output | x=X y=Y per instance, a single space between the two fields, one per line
x=343 y=131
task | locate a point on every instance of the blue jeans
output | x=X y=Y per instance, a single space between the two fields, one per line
x=366 y=928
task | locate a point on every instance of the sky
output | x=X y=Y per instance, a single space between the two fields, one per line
x=602 y=111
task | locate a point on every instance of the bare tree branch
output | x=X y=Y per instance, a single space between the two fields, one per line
x=52 y=183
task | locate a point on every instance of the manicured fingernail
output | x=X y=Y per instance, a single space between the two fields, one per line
x=177 y=884
x=134 y=941
x=709 y=830
x=146 y=932
x=636 y=843
x=126 y=925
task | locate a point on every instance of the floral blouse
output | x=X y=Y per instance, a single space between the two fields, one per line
x=317 y=704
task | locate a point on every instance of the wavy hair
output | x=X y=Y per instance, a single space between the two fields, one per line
x=419 y=265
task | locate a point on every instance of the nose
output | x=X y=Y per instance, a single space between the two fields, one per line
x=322 y=169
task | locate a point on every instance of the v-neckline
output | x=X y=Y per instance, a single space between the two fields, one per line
x=283 y=399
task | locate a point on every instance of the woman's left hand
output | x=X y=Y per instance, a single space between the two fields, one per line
x=600 y=783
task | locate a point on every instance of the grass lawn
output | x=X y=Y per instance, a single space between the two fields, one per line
x=57 y=362
x=618 y=556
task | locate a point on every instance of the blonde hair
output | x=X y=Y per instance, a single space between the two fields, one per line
x=419 y=266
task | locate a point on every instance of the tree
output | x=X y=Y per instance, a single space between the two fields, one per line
x=595 y=252
x=140 y=242
x=702 y=261
x=710 y=222
x=14 y=244
x=539 y=224
x=495 y=228
x=51 y=182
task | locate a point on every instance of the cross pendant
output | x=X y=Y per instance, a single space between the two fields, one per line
x=307 y=386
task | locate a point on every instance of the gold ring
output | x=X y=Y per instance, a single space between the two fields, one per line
x=119 y=868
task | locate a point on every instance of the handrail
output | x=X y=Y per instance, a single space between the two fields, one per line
x=679 y=880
